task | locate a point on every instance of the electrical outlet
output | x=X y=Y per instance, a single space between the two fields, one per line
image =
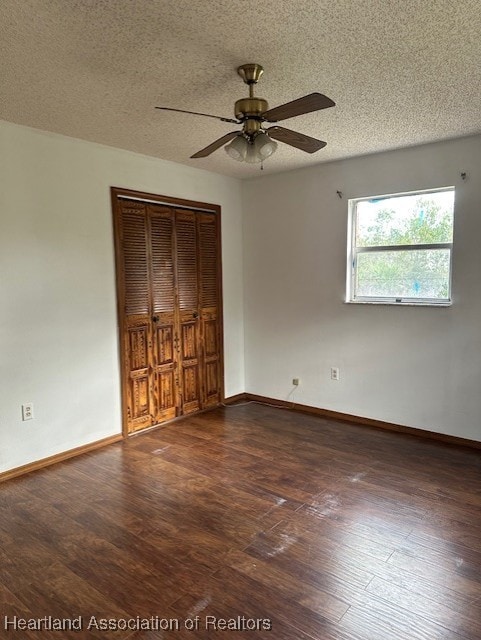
x=335 y=375
x=295 y=382
x=27 y=411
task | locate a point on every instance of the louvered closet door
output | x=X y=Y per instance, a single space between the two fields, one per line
x=211 y=371
x=137 y=335
x=164 y=361
x=187 y=281
x=169 y=308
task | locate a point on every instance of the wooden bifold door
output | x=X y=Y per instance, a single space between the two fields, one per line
x=169 y=301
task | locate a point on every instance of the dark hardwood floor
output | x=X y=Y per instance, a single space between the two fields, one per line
x=244 y=518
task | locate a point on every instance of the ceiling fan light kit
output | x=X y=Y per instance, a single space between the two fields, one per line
x=254 y=143
x=254 y=150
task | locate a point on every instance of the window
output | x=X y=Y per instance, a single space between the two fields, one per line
x=400 y=248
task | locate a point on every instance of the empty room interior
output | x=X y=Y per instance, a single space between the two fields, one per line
x=240 y=327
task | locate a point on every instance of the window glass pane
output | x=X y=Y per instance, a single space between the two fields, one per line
x=403 y=274
x=413 y=219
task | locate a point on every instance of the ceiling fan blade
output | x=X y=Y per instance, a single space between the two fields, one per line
x=215 y=145
x=196 y=113
x=312 y=102
x=295 y=139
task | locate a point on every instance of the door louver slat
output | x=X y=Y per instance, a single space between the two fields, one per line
x=162 y=264
x=135 y=263
x=187 y=287
x=208 y=262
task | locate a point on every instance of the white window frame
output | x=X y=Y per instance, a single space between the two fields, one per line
x=353 y=251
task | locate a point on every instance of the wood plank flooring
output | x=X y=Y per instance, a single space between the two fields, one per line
x=246 y=518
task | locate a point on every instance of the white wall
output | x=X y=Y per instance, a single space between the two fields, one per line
x=58 y=337
x=419 y=367
x=58 y=326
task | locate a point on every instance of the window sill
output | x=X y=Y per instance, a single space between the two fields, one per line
x=392 y=303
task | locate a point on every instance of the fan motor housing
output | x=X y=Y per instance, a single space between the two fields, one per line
x=250 y=108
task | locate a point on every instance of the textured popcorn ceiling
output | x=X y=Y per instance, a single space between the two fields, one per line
x=402 y=72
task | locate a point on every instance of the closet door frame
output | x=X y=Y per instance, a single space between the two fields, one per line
x=117 y=195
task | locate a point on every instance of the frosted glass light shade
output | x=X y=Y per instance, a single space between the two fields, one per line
x=252 y=156
x=237 y=149
x=264 y=146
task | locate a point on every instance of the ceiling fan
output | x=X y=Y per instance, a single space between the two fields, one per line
x=254 y=143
